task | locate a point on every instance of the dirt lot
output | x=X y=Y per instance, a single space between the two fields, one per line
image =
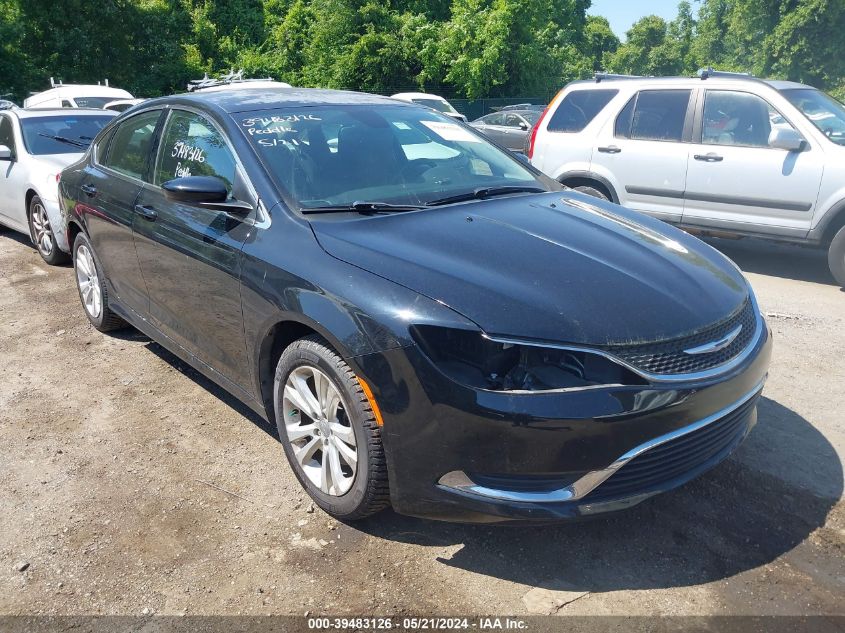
x=130 y=484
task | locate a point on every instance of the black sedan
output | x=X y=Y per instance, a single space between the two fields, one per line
x=430 y=322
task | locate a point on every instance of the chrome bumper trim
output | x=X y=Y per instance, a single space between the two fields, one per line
x=460 y=481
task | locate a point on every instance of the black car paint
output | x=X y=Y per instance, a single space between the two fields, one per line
x=225 y=292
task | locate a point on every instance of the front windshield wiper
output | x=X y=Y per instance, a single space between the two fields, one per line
x=362 y=207
x=64 y=139
x=484 y=192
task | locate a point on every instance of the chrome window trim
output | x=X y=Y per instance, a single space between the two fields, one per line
x=460 y=481
x=658 y=378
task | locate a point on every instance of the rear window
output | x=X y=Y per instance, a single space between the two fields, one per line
x=654 y=115
x=578 y=108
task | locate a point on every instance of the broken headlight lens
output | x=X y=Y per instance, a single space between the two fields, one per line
x=471 y=359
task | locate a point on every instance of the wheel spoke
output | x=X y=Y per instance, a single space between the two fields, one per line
x=344 y=433
x=332 y=403
x=295 y=396
x=349 y=455
x=304 y=454
x=298 y=431
x=340 y=482
x=325 y=476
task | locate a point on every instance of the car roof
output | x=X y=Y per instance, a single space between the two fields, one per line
x=246 y=99
x=416 y=95
x=721 y=79
x=28 y=113
x=83 y=90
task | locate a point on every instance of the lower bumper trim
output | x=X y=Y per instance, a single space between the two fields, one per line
x=461 y=482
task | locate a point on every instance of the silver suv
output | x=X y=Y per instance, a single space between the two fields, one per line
x=722 y=154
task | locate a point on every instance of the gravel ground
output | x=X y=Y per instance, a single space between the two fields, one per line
x=130 y=484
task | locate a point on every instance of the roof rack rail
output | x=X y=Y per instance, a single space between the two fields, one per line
x=59 y=84
x=224 y=80
x=603 y=76
x=704 y=73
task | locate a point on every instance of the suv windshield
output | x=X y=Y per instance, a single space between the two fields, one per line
x=823 y=111
x=66 y=134
x=329 y=156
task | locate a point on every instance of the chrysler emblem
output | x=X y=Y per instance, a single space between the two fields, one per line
x=715 y=346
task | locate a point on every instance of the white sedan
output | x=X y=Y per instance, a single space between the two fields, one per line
x=35 y=146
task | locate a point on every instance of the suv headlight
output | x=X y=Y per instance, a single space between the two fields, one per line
x=472 y=359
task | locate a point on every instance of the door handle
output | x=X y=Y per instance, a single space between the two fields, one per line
x=610 y=149
x=148 y=213
x=89 y=190
x=708 y=158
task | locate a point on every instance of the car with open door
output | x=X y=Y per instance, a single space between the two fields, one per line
x=430 y=322
x=35 y=145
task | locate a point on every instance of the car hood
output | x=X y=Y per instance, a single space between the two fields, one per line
x=558 y=267
x=54 y=163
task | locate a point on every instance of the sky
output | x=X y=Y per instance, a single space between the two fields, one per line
x=623 y=13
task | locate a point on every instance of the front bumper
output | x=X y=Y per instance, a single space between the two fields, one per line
x=461 y=454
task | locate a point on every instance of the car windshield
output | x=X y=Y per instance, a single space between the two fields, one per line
x=329 y=156
x=438 y=104
x=92 y=102
x=65 y=134
x=823 y=111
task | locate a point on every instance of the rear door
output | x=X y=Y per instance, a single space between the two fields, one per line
x=190 y=255
x=108 y=189
x=643 y=151
x=735 y=179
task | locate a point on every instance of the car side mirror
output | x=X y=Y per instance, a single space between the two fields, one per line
x=523 y=125
x=5 y=153
x=209 y=192
x=788 y=139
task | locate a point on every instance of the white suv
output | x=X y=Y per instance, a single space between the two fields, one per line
x=721 y=154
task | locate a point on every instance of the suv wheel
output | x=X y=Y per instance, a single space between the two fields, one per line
x=41 y=234
x=329 y=431
x=591 y=191
x=836 y=257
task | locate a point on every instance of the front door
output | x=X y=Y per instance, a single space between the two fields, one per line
x=644 y=149
x=190 y=255
x=736 y=178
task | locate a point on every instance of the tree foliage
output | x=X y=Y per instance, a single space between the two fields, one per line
x=461 y=48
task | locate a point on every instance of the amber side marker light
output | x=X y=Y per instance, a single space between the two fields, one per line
x=371 y=399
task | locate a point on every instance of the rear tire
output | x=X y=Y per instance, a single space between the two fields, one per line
x=836 y=257
x=322 y=424
x=91 y=284
x=41 y=234
x=591 y=191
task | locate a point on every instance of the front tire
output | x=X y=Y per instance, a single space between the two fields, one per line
x=91 y=284
x=329 y=432
x=41 y=234
x=836 y=257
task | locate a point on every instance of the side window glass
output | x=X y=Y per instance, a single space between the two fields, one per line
x=739 y=118
x=578 y=109
x=130 y=145
x=7 y=134
x=512 y=120
x=495 y=119
x=66 y=103
x=192 y=146
x=622 y=127
x=659 y=115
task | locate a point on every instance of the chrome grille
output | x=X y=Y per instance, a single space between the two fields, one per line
x=668 y=357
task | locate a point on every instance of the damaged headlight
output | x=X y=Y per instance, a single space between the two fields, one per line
x=470 y=358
